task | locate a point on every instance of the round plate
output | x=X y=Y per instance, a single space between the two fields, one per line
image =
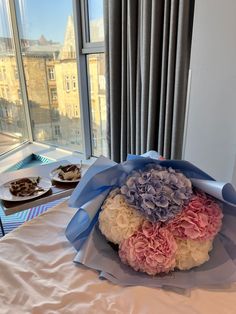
x=6 y=195
x=55 y=177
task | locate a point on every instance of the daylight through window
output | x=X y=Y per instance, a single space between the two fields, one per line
x=43 y=75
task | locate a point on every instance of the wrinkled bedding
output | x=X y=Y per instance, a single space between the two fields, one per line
x=37 y=275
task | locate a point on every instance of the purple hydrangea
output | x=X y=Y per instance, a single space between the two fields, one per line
x=158 y=192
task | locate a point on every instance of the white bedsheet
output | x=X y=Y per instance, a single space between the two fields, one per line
x=37 y=275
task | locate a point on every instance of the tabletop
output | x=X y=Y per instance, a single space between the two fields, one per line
x=57 y=191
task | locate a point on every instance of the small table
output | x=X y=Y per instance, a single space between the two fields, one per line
x=57 y=191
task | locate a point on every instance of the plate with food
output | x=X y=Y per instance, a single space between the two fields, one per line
x=23 y=189
x=70 y=173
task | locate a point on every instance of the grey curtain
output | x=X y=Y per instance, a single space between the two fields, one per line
x=147 y=49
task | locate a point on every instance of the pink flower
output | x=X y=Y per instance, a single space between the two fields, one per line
x=151 y=249
x=201 y=219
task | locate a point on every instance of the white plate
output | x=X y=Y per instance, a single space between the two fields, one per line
x=54 y=175
x=6 y=195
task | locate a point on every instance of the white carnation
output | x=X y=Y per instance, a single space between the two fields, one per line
x=118 y=220
x=191 y=253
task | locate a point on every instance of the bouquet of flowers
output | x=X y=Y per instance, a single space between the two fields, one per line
x=147 y=216
x=159 y=222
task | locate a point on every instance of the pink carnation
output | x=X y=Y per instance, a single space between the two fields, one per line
x=201 y=219
x=151 y=249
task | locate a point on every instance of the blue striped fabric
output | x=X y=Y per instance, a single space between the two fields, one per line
x=13 y=221
x=31 y=160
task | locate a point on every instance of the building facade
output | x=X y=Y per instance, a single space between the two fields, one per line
x=51 y=75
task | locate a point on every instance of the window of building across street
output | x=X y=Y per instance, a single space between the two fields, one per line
x=51 y=74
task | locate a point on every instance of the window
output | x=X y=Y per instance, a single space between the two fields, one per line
x=67 y=83
x=53 y=92
x=57 y=130
x=96 y=28
x=51 y=74
x=76 y=113
x=11 y=110
x=98 y=113
x=93 y=48
x=51 y=56
x=102 y=83
x=6 y=112
x=49 y=60
x=73 y=82
x=94 y=138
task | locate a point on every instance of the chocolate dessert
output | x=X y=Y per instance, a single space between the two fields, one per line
x=25 y=187
x=69 y=172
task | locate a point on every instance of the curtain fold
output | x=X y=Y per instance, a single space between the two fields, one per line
x=147 y=50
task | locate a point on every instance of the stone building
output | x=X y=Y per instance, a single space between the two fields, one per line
x=51 y=75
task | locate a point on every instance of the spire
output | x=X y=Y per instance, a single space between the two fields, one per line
x=68 y=48
x=42 y=40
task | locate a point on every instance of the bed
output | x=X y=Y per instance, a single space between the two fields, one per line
x=38 y=276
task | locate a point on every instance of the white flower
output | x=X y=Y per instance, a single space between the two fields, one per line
x=118 y=220
x=191 y=253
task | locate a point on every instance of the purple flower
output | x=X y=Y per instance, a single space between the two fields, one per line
x=159 y=193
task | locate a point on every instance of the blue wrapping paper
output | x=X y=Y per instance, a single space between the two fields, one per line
x=94 y=251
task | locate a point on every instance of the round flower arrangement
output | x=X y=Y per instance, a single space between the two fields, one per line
x=159 y=222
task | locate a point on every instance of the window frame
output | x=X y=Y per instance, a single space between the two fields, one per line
x=53 y=94
x=88 y=47
x=67 y=83
x=20 y=67
x=83 y=48
x=73 y=82
x=51 y=74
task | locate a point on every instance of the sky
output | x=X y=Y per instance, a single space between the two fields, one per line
x=47 y=17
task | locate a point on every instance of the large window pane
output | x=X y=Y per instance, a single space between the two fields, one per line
x=49 y=57
x=96 y=66
x=96 y=28
x=12 y=117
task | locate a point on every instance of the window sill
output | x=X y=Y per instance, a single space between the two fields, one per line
x=54 y=153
